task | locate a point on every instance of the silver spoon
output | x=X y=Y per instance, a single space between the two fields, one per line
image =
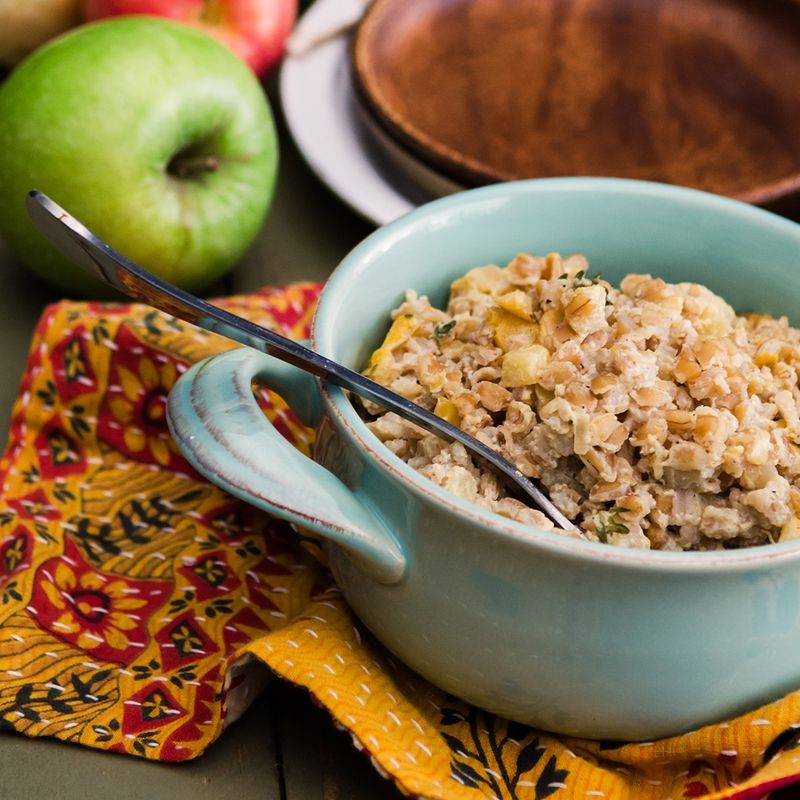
x=97 y=258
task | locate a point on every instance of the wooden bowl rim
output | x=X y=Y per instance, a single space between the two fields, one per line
x=454 y=164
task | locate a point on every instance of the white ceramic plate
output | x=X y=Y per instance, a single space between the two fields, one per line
x=318 y=102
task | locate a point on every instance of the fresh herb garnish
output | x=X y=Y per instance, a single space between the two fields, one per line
x=581 y=279
x=443 y=329
x=606 y=523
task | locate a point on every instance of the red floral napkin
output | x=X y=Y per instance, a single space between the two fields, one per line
x=136 y=598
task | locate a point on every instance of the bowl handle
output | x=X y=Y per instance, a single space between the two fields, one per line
x=219 y=427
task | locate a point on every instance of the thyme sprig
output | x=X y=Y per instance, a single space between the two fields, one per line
x=606 y=523
x=443 y=329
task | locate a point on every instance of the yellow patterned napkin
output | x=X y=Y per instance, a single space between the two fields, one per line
x=135 y=598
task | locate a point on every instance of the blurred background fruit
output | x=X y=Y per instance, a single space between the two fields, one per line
x=25 y=24
x=255 y=30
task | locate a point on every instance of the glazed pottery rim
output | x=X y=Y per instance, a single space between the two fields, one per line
x=414 y=223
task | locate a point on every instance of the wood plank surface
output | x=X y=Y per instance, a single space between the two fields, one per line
x=243 y=764
x=320 y=762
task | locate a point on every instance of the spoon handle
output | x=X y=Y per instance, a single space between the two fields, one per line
x=96 y=257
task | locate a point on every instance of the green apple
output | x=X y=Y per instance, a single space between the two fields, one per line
x=152 y=134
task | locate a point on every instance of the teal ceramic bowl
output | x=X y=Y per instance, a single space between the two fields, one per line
x=563 y=634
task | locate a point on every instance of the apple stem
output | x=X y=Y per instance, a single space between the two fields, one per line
x=193 y=166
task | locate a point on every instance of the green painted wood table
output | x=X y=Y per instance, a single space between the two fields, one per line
x=284 y=747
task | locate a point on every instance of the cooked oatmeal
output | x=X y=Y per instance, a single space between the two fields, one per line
x=654 y=415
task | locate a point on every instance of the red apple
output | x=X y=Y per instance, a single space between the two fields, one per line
x=255 y=30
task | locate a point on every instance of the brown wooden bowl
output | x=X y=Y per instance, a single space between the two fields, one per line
x=703 y=93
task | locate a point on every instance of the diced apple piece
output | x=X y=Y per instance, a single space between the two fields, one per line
x=524 y=367
x=518 y=303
